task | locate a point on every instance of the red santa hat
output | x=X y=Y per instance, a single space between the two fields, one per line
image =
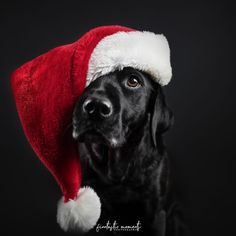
x=46 y=89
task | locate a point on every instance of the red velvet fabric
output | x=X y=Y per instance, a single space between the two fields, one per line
x=45 y=91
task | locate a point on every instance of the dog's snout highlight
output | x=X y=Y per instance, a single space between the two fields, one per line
x=89 y=106
x=99 y=107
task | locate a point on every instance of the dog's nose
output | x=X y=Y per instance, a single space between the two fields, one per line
x=101 y=107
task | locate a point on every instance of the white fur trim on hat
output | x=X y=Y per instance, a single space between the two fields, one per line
x=145 y=51
x=81 y=214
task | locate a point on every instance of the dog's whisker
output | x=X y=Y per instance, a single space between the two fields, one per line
x=124 y=126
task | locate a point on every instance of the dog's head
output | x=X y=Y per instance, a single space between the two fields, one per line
x=115 y=105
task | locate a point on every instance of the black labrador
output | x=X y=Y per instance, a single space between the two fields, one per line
x=119 y=122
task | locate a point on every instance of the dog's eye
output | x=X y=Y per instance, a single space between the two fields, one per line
x=133 y=81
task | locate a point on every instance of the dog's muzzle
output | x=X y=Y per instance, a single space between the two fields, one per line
x=95 y=113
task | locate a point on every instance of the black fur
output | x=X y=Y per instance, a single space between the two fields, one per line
x=130 y=175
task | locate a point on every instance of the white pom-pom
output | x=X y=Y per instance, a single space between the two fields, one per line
x=81 y=214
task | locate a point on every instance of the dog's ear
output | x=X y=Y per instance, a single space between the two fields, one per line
x=161 y=116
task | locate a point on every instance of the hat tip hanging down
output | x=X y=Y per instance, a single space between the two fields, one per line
x=81 y=214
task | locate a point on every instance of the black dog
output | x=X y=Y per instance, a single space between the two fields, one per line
x=119 y=122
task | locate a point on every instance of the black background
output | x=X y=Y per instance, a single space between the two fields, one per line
x=202 y=95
